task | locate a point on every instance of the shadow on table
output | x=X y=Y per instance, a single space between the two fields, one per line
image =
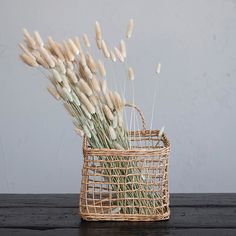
x=124 y=228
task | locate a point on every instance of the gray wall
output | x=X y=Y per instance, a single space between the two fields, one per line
x=196 y=44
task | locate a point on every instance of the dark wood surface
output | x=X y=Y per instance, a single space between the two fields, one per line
x=57 y=214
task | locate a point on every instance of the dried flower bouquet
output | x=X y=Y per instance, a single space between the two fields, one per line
x=80 y=82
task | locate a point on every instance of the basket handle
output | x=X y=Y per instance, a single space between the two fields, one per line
x=140 y=113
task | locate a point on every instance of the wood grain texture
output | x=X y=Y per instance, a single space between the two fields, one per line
x=57 y=214
x=117 y=232
x=39 y=200
x=188 y=217
x=72 y=200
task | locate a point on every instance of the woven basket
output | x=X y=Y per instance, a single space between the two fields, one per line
x=127 y=185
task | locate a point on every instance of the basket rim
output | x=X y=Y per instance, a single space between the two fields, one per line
x=129 y=152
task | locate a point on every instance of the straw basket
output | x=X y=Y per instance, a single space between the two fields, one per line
x=127 y=185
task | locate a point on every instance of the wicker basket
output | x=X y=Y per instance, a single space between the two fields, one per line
x=127 y=185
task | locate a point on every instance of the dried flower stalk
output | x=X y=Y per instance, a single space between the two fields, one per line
x=123 y=48
x=101 y=69
x=118 y=54
x=28 y=60
x=158 y=68
x=51 y=89
x=105 y=49
x=130 y=73
x=130 y=28
x=86 y=41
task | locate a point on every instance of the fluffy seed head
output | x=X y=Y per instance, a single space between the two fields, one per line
x=104 y=85
x=91 y=63
x=118 y=146
x=120 y=119
x=84 y=87
x=98 y=30
x=38 y=39
x=108 y=112
x=95 y=84
x=130 y=74
x=86 y=112
x=118 y=54
x=158 y=68
x=115 y=121
x=73 y=47
x=99 y=113
x=98 y=35
x=26 y=51
x=101 y=69
x=87 y=103
x=78 y=44
x=88 y=72
x=108 y=100
x=112 y=133
x=51 y=89
x=67 y=94
x=81 y=71
x=86 y=41
x=66 y=82
x=55 y=48
x=93 y=99
x=99 y=43
x=70 y=56
x=60 y=91
x=72 y=76
x=47 y=56
x=56 y=75
x=28 y=60
x=70 y=65
x=77 y=90
x=113 y=57
x=83 y=60
x=41 y=61
x=52 y=80
x=29 y=39
x=61 y=50
x=117 y=101
x=130 y=28
x=61 y=66
x=105 y=50
x=54 y=59
x=123 y=48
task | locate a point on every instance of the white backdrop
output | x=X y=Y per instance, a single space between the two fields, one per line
x=196 y=43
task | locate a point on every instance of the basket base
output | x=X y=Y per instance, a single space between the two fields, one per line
x=125 y=217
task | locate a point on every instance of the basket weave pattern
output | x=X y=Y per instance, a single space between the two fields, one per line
x=127 y=185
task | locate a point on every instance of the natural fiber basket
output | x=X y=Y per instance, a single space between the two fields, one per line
x=111 y=178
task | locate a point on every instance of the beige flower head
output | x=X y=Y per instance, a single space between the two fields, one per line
x=130 y=28
x=158 y=68
x=130 y=74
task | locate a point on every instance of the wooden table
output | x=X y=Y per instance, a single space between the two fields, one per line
x=57 y=214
